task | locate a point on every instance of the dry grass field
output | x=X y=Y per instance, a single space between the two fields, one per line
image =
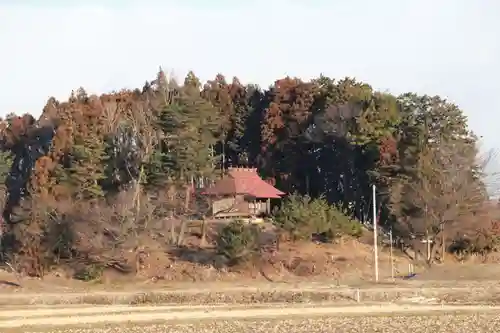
x=446 y=323
x=318 y=275
x=389 y=319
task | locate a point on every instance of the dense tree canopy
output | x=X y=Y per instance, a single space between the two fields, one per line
x=324 y=137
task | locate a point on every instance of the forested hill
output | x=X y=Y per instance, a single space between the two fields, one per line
x=321 y=137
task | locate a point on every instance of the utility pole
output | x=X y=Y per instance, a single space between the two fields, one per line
x=375 y=232
x=392 y=260
x=443 y=243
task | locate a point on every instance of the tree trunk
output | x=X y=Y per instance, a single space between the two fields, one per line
x=187 y=199
x=172 y=233
x=137 y=190
x=223 y=164
x=307 y=185
x=203 y=240
x=182 y=230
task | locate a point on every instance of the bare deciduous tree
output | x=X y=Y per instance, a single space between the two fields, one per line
x=444 y=195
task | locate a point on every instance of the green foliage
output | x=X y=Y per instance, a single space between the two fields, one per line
x=85 y=172
x=238 y=241
x=301 y=216
x=189 y=126
x=5 y=165
x=156 y=169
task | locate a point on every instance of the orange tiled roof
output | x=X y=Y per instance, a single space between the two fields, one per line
x=244 y=181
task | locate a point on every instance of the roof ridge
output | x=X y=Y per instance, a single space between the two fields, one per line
x=242 y=169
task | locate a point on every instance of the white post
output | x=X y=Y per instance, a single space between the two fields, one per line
x=428 y=241
x=392 y=260
x=375 y=232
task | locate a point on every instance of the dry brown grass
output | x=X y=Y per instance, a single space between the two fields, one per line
x=158 y=264
x=296 y=265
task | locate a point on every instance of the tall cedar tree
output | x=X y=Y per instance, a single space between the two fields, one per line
x=190 y=126
x=85 y=160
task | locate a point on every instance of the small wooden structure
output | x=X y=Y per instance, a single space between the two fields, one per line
x=241 y=194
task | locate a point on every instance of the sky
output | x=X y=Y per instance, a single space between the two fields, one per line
x=438 y=47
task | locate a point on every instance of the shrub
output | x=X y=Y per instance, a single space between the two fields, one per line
x=89 y=273
x=302 y=216
x=238 y=241
x=481 y=244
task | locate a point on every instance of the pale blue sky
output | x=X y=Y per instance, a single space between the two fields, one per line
x=445 y=47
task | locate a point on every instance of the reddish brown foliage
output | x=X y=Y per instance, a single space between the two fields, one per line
x=288 y=111
x=388 y=149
